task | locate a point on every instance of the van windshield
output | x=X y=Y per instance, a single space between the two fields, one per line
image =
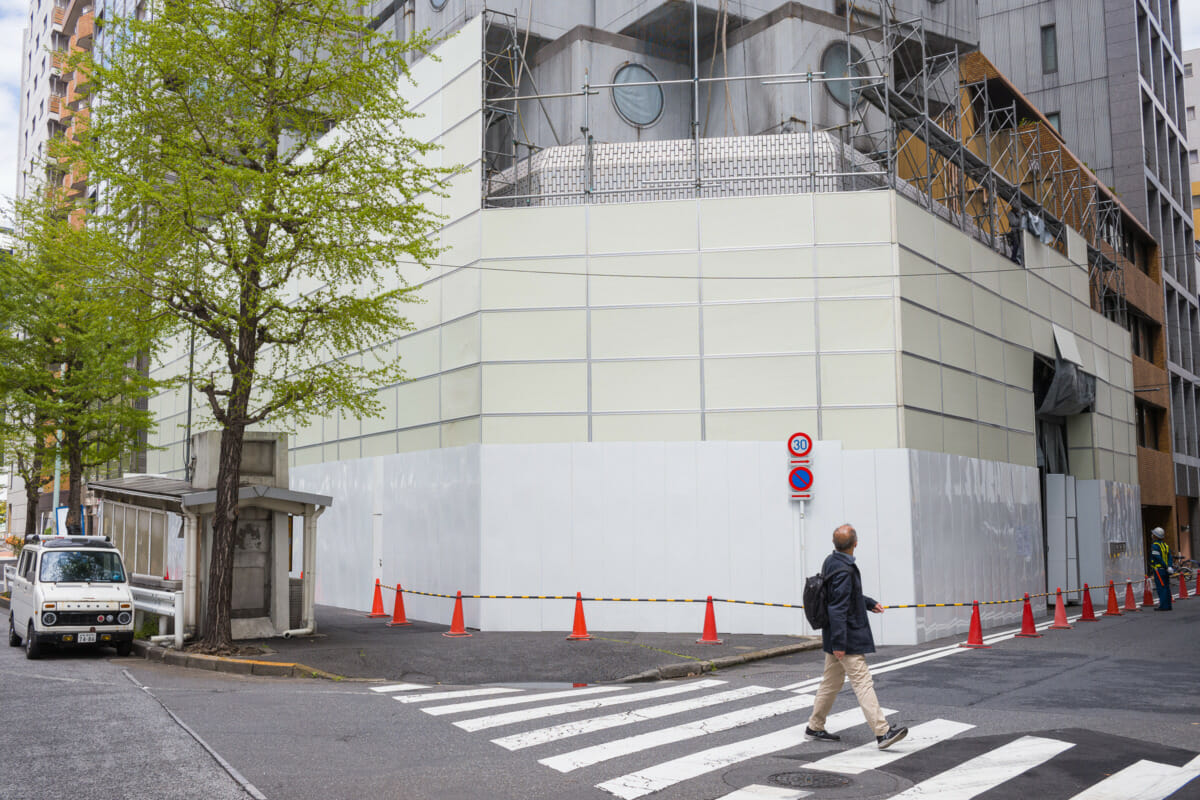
x=76 y=566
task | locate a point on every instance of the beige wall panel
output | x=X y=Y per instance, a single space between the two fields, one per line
x=426 y=438
x=952 y=249
x=1018 y=366
x=960 y=437
x=347 y=451
x=417 y=403
x=989 y=356
x=646 y=385
x=1120 y=372
x=1103 y=398
x=989 y=312
x=988 y=266
x=641 y=332
x=955 y=297
x=768 y=274
x=1083 y=463
x=1080 y=427
x=853 y=217
x=758 y=328
x=919 y=332
x=992 y=407
x=865 y=286
x=608 y=287
x=1101 y=367
x=535 y=429
x=462 y=96
x=856 y=324
x=642 y=227
x=914 y=226
x=922 y=431
x=427 y=313
x=1103 y=428
x=756 y=221
x=386 y=420
x=1040 y=296
x=306 y=455
x=534 y=335
x=382 y=445
x=766 y=382
x=1016 y=325
x=460 y=393
x=461 y=432
x=1119 y=341
x=1062 y=305
x=1126 y=468
x=1106 y=468
x=460 y=342
x=960 y=394
x=1020 y=410
x=463 y=193
x=757 y=426
x=958 y=344
x=852 y=261
x=921 y=284
x=461 y=240
x=330 y=452
x=1022 y=449
x=418 y=353
x=858 y=379
x=460 y=293
x=860 y=428
x=518 y=388
x=646 y=427
x=1014 y=285
x=536 y=285
x=993 y=443
x=1082 y=320
x=922 y=384
x=1079 y=288
x=520 y=232
x=463 y=143
x=1043 y=336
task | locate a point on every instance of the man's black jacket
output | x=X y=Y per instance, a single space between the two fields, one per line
x=848 y=628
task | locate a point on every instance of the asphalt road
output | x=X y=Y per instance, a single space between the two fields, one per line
x=1114 y=699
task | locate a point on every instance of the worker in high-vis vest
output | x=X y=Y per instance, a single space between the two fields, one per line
x=1160 y=560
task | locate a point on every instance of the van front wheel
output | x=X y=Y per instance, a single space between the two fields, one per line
x=13 y=639
x=32 y=649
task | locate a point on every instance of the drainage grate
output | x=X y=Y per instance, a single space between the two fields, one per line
x=810 y=780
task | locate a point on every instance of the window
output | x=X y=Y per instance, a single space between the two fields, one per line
x=1053 y=119
x=81 y=566
x=438 y=5
x=838 y=61
x=1141 y=337
x=1049 y=50
x=1187 y=70
x=1147 y=426
x=1194 y=156
x=1191 y=113
x=638 y=105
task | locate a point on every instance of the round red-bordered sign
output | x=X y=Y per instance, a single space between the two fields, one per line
x=799 y=445
x=801 y=479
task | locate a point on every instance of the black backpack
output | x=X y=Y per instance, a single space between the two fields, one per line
x=816 y=600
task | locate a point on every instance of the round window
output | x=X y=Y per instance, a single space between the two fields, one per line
x=639 y=105
x=438 y=5
x=835 y=63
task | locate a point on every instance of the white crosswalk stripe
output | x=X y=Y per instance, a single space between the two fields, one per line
x=668 y=773
x=1144 y=780
x=453 y=694
x=524 y=715
x=756 y=791
x=869 y=756
x=518 y=741
x=984 y=772
x=478 y=705
x=399 y=687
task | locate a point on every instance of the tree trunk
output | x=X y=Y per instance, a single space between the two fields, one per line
x=218 y=632
x=32 y=481
x=74 y=483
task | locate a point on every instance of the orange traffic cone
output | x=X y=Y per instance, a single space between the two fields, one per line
x=975 y=634
x=1183 y=592
x=1130 y=600
x=166 y=574
x=1196 y=588
x=580 y=630
x=1028 y=629
x=1060 y=613
x=1147 y=595
x=377 y=603
x=1113 y=609
x=398 y=617
x=1089 y=614
x=457 y=629
x=710 y=626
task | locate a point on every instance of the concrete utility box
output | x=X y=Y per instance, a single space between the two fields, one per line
x=164 y=528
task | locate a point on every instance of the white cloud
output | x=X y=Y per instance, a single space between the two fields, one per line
x=13 y=15
x=1189 y=18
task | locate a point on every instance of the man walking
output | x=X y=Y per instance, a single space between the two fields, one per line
x=1160 y=561
x=847 y=639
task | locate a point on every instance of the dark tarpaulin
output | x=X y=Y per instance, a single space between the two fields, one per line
x=1071 y=391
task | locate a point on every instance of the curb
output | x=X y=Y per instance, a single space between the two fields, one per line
x=685 y=669
x=234 y=666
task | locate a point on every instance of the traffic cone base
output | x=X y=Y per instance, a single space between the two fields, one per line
x=1089 y=613
x=710 y=625
x=975 y=633
x=1130 y=600
x=1028 y=629
x=457 y=629
x=1060 y=613
x=1113 y=609
x=398 y=617
x=377 y=602
x=1147 y=595
x=579 y=631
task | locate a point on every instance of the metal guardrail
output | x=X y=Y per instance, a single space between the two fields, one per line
x=10 y=572
x=165 y=604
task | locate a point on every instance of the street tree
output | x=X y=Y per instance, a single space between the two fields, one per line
x=255 y=168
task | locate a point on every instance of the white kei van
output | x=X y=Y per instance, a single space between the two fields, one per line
x=70 y=591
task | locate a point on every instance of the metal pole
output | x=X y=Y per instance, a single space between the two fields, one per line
x=57 y=466
x=187 y=442
x=812 y=156
x=696 y=89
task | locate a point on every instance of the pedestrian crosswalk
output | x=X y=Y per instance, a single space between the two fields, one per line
x=639 y=742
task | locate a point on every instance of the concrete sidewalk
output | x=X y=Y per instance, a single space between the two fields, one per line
x=350 y=645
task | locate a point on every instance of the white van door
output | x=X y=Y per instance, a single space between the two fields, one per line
x=22 y=592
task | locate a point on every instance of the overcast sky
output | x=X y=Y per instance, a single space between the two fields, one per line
x=13 y=14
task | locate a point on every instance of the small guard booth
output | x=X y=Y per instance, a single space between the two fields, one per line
x=163 y=527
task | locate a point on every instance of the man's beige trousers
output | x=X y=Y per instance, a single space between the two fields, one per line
x=836 y=672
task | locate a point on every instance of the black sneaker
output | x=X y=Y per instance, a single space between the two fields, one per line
x=821 y=736
x=893 y=735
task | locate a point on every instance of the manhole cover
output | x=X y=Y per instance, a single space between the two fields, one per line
x=810 y=780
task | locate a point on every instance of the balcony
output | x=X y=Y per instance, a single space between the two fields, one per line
x=55 y=105
x=1150 y=383
x=1156 y=475
x=60 y=16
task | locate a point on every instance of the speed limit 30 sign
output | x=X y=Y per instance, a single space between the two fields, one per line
x=800 y=470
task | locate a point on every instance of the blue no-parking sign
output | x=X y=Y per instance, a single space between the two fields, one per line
x=800 y=473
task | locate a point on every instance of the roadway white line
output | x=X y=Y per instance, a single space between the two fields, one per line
x=512 y=701
x=508 y=718
x=869 y=756
x=519 y=741
x=1145 y=780
x=756 y=791
x=399 y=687
x=453 y=694
x=633 y=744
x=987 y=771
x=668 y=773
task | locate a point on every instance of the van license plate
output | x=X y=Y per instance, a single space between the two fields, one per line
x=87 y=638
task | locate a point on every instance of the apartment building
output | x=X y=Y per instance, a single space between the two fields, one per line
x=1191 y=100
x=1110 y=75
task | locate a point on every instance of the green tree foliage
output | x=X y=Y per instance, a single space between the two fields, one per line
x=254 y=167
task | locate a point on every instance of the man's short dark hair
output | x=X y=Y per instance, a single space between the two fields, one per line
x=845 y=538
